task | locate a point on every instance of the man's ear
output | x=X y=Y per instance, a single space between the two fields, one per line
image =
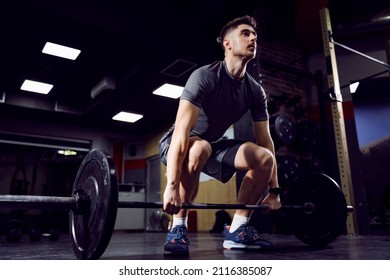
x=227 y=43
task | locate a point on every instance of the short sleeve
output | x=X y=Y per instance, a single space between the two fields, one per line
x=197 y=87
x=259 y=107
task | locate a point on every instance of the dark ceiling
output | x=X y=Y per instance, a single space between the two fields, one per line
x=131 y=42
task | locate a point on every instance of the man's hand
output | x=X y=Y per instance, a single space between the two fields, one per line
x=272 y=201
x=171 y=201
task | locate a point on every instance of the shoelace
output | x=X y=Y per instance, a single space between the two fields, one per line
x=180 y=234
x=249 y=234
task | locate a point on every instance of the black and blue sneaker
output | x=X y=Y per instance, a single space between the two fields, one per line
x=177 y=241
x=245 y=237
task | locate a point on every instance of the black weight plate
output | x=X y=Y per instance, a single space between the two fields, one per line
x=327 y=221
x=97 y=178
x=283 y=130
x=289 y=169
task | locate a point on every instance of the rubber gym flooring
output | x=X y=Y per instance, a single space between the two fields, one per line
x=204 y=246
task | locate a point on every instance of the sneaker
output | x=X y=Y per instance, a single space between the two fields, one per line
x=177 y=241
x=245 y=237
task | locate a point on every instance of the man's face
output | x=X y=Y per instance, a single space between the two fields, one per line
x=242 y=41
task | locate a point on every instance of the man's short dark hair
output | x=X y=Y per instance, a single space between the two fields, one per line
x=234 y=23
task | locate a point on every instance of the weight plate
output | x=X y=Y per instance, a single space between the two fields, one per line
x=327 y=221
x=283 y=130
x=288 y=168
x=97 y=178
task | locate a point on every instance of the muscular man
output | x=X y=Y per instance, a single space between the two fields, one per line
x=215 y=97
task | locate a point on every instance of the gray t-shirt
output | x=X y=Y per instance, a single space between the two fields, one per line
x=222 y=99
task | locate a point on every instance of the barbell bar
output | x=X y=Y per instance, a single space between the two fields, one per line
x=307 y=207
x=159 y=205
x=94 y=202
x=39 y=202
x=71 y=204
x=74 y=204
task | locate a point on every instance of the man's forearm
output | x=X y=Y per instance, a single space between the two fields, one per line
x=175 y=158
x=273 y=183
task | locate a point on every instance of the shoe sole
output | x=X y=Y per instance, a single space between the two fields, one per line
x=231 y=245
x=177 y=252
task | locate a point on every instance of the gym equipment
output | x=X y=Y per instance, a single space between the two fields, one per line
x=289 y=169
x=318 y=208
x=283 y=130
x=92 y=224
x=321 y=226
x=93 y=205
x=314 y=205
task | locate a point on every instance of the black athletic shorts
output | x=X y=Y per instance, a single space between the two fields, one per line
x=220 y=165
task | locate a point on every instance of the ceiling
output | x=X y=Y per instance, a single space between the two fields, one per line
x=139 y=45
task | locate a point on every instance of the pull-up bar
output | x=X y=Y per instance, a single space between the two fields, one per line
x=357 y=52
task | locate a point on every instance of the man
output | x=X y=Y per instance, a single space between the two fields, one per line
x=215 y=97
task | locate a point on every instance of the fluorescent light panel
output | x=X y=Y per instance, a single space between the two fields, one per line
x=169 y=90
x=127 y=117
x=60 y=51
x=67 y=152
x=353 y=87
x=34 y=86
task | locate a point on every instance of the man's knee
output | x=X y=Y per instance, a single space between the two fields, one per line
x=198 y=155
x=266 y=160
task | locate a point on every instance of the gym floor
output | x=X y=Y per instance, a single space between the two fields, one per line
x=204 y=246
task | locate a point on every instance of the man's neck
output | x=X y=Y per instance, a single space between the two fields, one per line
x=236 y=67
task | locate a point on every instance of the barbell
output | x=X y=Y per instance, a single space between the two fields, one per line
x=315 y=205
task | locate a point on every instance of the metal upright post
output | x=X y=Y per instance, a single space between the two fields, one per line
x=338 y=119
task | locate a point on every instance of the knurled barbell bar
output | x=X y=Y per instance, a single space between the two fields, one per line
x=308 y=207
x=320 y=217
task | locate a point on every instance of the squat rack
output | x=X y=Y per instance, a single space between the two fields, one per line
x=337 y=113
x=338 y=118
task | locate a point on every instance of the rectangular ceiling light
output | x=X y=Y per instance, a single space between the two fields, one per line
x=353 y=87
x=127 y=117
x=61 y=51
x=34 y=86
x=67 y=152
x=169 y=90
